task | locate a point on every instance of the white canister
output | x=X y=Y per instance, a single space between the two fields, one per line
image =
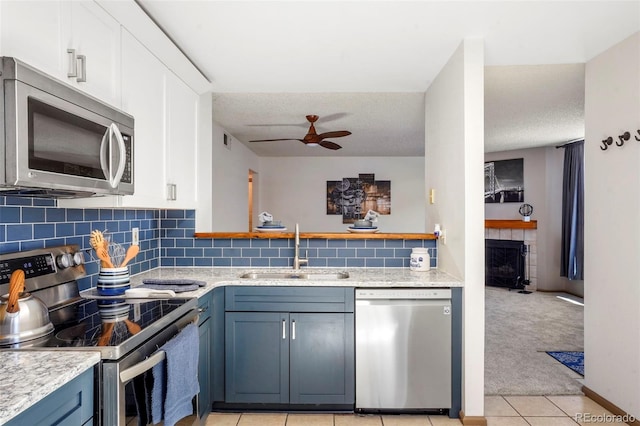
x=420 y=259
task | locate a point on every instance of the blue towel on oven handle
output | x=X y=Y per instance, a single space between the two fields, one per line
x=158 y=391
x=176 y=379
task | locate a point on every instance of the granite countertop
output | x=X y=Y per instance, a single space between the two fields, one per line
x=29 y=376
x=358 y=277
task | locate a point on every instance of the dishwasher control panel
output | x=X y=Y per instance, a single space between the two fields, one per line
x=403 y=293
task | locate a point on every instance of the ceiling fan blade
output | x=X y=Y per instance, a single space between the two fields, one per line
x=330 y=145
x=336 y=134
x=273 y=140
x=336 y=116
x=279 y=125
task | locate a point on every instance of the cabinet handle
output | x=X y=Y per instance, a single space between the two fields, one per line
x=284 y=329
x=73 y=66
x=293 y=330
x=83 y=69
x=172 y=192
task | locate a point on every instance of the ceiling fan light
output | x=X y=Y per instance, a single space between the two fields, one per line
x=312 y=144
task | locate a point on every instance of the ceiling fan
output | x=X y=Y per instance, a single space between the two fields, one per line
x=312 y=138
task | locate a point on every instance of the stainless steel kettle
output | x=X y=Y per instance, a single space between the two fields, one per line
x=23 y=318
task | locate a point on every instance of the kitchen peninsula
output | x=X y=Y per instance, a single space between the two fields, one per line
x=325 y=235
x=250 y=309
x=216 y=279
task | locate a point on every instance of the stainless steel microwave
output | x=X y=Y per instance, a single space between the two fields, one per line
x=58 y=141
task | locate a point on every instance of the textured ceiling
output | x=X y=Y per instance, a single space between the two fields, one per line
x=397 y=126
x=537 y=105
x=367 y=63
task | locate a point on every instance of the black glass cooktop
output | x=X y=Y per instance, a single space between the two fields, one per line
x=92 y=323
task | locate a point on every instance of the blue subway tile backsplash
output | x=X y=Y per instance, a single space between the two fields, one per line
x=32 y=223
x=265 y=252
x=166 y=239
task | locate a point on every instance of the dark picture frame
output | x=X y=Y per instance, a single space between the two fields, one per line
x=504 y=181
x=353 y=197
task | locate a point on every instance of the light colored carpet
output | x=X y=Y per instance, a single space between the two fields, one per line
x=519 y=328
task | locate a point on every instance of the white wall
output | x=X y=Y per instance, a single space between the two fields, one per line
x=230 y=189
x=612 y=228
x=535 y=177
x=294 y=189
x=454 y=158
x=543 y=190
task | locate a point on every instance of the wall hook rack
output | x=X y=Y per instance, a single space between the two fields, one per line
x=623 y=137
x=606 y=143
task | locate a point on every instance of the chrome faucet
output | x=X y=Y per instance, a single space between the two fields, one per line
x=297 y=261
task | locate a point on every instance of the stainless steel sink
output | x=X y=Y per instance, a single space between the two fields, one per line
x=295 y=275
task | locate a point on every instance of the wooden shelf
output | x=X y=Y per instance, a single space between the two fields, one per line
x=510 y=224
x=323 y=235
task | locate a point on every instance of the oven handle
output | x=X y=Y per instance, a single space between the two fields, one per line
x=143 y=366
x=158 y=356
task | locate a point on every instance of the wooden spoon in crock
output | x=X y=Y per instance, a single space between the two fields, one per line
x=132 y=326
x=104 y=257
x=107 y=331
x=132 y=251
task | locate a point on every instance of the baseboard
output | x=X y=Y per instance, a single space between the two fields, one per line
x=472 y=420
x=608 y=405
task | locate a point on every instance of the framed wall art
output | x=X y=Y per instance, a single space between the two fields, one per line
x=353 y=197
x=504 y=181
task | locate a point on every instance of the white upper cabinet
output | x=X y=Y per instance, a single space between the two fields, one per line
x=31 y=32
x=181 y=131
x=143 y=97
x=101 y=42
x=76 y=42
x=165 y=139
x=94 y=39
x=165 y=110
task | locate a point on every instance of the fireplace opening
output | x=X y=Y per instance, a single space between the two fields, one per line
x=504 y=263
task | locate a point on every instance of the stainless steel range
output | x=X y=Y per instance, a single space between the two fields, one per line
x=127 y=332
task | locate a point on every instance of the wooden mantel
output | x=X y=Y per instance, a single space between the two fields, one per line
x=510 y=224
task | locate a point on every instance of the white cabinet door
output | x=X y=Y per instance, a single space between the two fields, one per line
x=165 y=139
x=95 y=36
x=31 y=32
x=182 y=124
x=143 y=97
x=40 y=33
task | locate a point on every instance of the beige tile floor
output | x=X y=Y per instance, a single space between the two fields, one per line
x=499 y=411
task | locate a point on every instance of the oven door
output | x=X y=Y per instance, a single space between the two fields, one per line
x=117 y=400
x=53 y=143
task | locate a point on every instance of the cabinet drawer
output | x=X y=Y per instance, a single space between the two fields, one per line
x=289 y=299
x=71 y=405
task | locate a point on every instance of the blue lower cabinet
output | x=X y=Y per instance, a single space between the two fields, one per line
x=321 y=358
x=205 y=358
x=289 y=358
x=256 y=357
x=70 y=405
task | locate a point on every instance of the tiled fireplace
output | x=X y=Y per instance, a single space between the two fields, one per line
x=517 y=230
x=504 y=263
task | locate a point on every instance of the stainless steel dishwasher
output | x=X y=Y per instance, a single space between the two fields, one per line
x=403 y=349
